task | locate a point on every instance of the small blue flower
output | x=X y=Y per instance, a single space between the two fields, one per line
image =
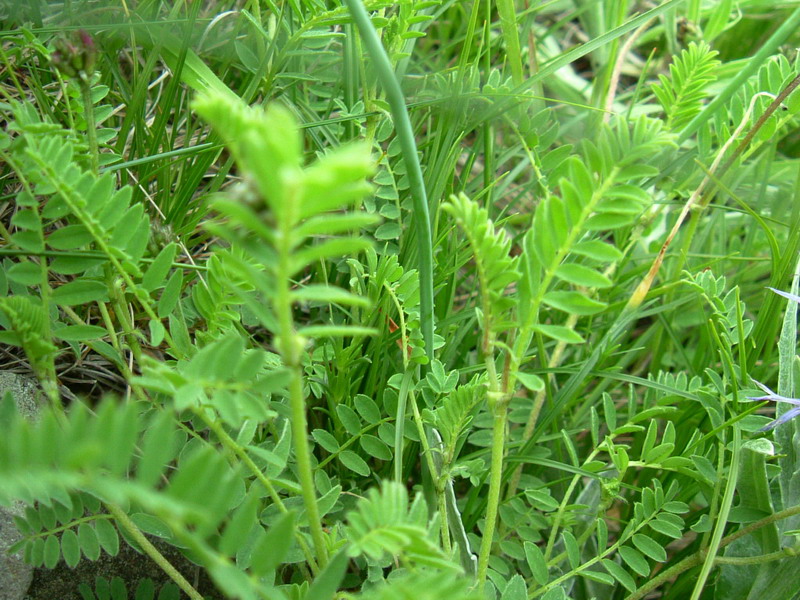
x=773 y=397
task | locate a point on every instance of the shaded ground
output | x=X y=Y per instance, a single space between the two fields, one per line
x=62 y=582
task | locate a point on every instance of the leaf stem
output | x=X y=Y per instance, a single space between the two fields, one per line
x=698 y=557
x=290 y=345
x=125 y=521
x=262 y=478
x=500 y=412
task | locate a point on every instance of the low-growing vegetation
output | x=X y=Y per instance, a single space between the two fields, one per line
x=390 y=300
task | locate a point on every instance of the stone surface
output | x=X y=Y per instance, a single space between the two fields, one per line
x=19 y=581
x=25 y=391
x=15 y=575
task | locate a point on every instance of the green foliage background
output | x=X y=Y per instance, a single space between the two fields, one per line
x=412 y=299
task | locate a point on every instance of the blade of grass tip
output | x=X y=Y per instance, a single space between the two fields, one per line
x=787 y=351
x=405 y=134
x=768 y=49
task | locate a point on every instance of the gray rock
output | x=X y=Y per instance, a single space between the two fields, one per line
x=15 y=575
x=25 y=391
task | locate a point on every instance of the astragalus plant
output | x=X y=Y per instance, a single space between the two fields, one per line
x=413 y=300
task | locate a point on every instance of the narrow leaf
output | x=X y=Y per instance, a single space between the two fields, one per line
x=326 y=440
x=573 y=303
x=69 y=237
x=354 y=462
x=530 y=381
x=597 y=576
x=272 y=548
x=620 y=574
x=80 y=292
x=597 y=250
x=70 y=548
x=560 y=333
x=536 y=562
x=582 y=276
x=79 y=333
x=635 y=560
x=336 y=331
x=328 y=294
x=88 y=541
x=327 y=582
x=107 y=536
x=170 y=295
x=516 y=589
x=157 y=272
x=650 y=547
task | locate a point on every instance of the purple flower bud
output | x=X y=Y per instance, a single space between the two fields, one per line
x=75 y=55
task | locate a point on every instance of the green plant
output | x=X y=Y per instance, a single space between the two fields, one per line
x=431 y=324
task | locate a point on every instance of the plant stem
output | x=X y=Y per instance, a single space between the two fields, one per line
x=508 y=25
x=756 y=560
x=47 y=369
x=698 y=557
x=435 y=474
x=241 y=453
x=125 y=521
x=405 y=134
x=291 y=347
x=419 y=197
x=500 y=411
x=121 y=308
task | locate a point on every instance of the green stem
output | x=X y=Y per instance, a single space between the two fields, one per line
x=435 y=474
x=109 y=324
x=445 y=532
x=500 y=411
x=291 y=348
x=756 y=560
x=698 y=557
x=125 y=521
x=122 y=317
x=242 y=455
x=508 y=25
x=405 y=134
x=419 y=197
x=401 y=400
x=48 y=377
